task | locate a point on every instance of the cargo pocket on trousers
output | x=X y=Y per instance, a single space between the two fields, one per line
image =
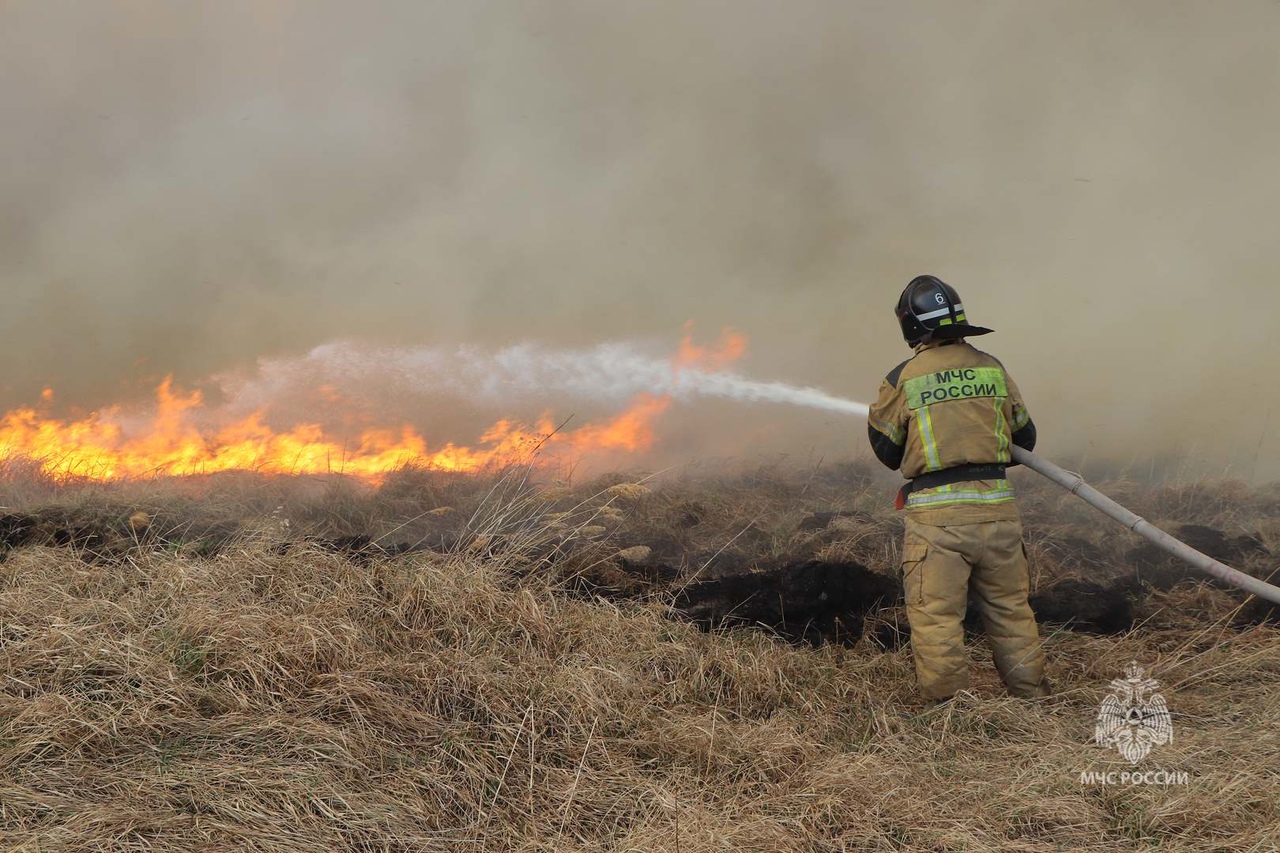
x=914 y=550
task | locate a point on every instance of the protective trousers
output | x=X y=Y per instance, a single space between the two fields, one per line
x=939 y=566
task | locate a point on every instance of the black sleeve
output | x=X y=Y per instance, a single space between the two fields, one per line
x=895 y=375
x=1026 y=437
x=886 y=451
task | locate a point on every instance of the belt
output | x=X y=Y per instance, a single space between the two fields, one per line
x=948 y=476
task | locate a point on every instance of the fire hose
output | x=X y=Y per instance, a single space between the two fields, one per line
x=1075 y=484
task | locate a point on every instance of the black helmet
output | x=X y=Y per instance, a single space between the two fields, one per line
x=929 y=309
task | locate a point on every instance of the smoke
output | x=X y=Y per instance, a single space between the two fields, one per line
x=198 y=188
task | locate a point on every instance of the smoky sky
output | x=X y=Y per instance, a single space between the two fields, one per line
x=189 y=187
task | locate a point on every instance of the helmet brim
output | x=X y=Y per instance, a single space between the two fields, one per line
x=959 y=330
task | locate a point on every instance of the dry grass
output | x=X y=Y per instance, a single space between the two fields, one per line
x=254 y=697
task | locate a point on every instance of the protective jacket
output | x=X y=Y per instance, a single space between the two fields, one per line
x=947 y=407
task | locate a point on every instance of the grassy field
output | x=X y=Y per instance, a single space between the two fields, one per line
x=488 y=663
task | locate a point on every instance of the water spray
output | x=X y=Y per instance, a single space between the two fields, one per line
x=608 y=373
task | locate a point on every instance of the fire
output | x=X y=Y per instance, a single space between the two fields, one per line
x=184 y=436
x=731 y=347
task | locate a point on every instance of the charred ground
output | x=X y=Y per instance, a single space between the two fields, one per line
x=810 y=554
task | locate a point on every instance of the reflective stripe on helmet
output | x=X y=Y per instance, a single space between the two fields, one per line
x=941 y=312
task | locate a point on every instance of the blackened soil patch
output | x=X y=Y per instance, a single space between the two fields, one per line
x=1164 y=571
x=1259 y=612
x=1088 y=607
x=812 y=601
x=17 y=531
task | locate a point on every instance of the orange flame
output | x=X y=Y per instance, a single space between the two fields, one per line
x=176 y=439
x=731 y=347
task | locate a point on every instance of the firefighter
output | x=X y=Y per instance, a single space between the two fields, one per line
x=947 y=418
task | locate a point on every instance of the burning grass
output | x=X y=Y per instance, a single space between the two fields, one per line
x=489 y=685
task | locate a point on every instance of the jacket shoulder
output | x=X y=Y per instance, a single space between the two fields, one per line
x=988 y=357
x=894 y=376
